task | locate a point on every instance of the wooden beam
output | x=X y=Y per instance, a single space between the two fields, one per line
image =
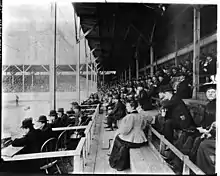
x=45 y=68
x=196 y=51
x=42 y=155
x=188 y=48
x=71 y=68
x=69 y=128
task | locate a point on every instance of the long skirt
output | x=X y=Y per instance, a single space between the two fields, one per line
x=120 y=158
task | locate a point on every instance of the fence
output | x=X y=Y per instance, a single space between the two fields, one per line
x=187 y=164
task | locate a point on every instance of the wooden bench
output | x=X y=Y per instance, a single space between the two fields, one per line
x=147 y=160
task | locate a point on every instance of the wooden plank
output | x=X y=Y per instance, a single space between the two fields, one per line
x=10 y=151
x=69 y=128
x=41 y=155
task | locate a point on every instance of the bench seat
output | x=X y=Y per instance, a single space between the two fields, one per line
x=146 y=160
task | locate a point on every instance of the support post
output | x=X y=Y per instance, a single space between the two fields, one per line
x=78 y=74
x=176 y=50
x=151 y=61
x=32 y=79
x=53 y=67
x=23 y=79
x=137 y=67
x=196 y=50
x=129 y=73
x=87 y=78
x=125 y=74
x=103 y=76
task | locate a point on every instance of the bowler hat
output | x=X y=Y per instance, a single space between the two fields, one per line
x=53 y=113
x=60 y=110
x=26 y=123
x=165 y=88
x=206 y=86
x=70 y=112
x=42 y=118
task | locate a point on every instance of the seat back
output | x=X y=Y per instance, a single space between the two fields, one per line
x=61 y=141
x=48 y=146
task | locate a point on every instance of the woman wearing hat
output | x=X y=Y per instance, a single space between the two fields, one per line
x=203 y=151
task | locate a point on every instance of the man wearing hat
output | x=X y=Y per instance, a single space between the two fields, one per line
x=32 y=138
x=45 y=128
x=176 y=113
x=143 y=98
x=183 y=90
x=118 y=112
x=63 y=117
x=54 y=121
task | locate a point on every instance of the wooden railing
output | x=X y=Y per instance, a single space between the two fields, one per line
x=79 y=154
x=187 y=164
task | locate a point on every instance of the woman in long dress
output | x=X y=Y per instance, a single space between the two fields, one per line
x=129 y=135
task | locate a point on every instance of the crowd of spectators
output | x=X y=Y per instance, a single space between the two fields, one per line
x=40 y=84
x=165 y=91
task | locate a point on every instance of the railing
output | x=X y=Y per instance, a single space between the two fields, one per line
x=79 y=154
x=187 y=164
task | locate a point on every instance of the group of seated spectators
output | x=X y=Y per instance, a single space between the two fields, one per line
x=36 y=134
x=197 y=140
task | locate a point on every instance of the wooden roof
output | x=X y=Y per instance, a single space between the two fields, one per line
x=117 y=29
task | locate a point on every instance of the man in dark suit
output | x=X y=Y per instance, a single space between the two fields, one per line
x=118 y=112
x=31 y=140
x=183 y=89
x=63 y=117
x=143 y=98
x=45 y=128
x=176 y=114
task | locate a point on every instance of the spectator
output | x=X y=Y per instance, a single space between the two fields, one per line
x=183 y=89
x=117 y=113
x=45 y=128
x=176 y=114
x=32 y=138
x=209 y=116
x=63 y=117
x=143 y=98
x=129 y=134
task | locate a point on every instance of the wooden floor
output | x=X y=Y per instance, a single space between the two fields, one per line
x=97 y=162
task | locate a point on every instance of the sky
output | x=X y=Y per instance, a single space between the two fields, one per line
x=28 y=33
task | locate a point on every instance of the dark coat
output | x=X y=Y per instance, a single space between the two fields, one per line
x=64 y=120
x=46 y=133
x=177 y=110
x=183 y=90
x=119 y=111
x=144 y=100
x=32 y=141
x=209 y=114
